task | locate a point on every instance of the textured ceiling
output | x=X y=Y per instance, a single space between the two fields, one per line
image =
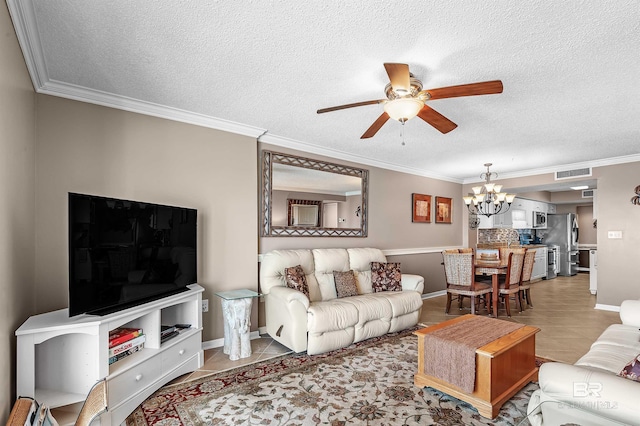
x=570 y=71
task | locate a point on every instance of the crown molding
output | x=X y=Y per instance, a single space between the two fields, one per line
x=23 y=16
x=24 y=21
x=345 y=156
x=552 y=169
x=97 y=97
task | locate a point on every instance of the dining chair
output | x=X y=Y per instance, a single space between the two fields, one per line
x=94 y=405
x=511 y=284
x=525 y=282
x=459 y=271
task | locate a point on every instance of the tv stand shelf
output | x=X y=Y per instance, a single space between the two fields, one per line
x=60 y=358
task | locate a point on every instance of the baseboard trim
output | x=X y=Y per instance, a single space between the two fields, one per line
x=612 y=308
x=218 y=343
x=426 y=296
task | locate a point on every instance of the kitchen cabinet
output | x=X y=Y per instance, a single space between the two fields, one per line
x=539 y=264
x=485 y=222
x=519 y=215
x=538 y=206
x=502 y=220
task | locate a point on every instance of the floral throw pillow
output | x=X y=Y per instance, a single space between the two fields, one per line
x=345 y=283
x=631 y=370
x=385 y=277
x=296 y=280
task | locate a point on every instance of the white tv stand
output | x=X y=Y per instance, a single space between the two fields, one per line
x=59 y=358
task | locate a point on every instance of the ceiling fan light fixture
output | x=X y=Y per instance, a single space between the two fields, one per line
x=403 y=109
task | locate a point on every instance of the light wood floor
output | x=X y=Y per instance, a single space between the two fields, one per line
x=563 y=310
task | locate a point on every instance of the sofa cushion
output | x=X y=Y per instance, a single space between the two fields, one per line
x=326 y=261
x=631 y=370
x=374 y=315
x=360 y=262
x=611 y=358
x=402 y=302
x=275 y=262
x=345 y=284
x=386 y=277
x=627 y=336
x=296 y=279
x=331 y=315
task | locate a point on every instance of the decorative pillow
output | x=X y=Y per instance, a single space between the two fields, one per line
x=385 y=277
x=296 y=280
x=631 y=370
x=345 y=283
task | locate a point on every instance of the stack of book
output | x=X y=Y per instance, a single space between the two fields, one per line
x=124 y=342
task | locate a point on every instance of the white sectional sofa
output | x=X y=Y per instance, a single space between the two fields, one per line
x=590 y=392
x=322 y=321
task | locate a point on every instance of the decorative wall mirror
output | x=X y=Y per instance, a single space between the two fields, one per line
x=302 y=197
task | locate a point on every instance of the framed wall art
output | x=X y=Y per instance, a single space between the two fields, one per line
x=443 y=209
x=421 y=208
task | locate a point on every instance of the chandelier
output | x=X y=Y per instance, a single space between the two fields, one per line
x=488 y=200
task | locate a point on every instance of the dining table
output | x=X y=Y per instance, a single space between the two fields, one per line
x=495 y=269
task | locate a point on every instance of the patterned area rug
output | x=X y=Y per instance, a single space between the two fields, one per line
x=368 y=383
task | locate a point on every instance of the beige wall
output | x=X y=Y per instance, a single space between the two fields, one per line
x=389 y=213
x=17 y=172
x=389 y=220
x=571 y=197
x=96 y=150
x=588 y=234
x=618 y=258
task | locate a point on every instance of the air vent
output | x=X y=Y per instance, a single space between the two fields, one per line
x=588 y=193
x=568 y=174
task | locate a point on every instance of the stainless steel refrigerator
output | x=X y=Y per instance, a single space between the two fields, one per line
x=562 y=230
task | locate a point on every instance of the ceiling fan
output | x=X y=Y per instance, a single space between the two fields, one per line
x=406 y=99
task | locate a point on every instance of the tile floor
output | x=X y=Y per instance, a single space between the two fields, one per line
x=563 y=310
x=215 y=360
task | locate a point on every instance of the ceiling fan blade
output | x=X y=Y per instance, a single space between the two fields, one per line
x=371 y=131
x=399 y=77
x=437 y=120
x=483 y=88
x=357 y=104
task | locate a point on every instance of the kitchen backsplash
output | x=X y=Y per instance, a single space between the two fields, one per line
x=508 y=235
x=498 y=235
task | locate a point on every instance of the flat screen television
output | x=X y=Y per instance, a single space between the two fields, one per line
x=124 y=253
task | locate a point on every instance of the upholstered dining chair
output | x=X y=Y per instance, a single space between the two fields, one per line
x=459 y=271
x=94 y=405
x=511 y=284
x=525 y=282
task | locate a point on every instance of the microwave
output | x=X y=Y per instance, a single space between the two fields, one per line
x=539 y=220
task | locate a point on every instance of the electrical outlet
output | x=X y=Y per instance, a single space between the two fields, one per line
x=205 y=305
x=614 y=234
